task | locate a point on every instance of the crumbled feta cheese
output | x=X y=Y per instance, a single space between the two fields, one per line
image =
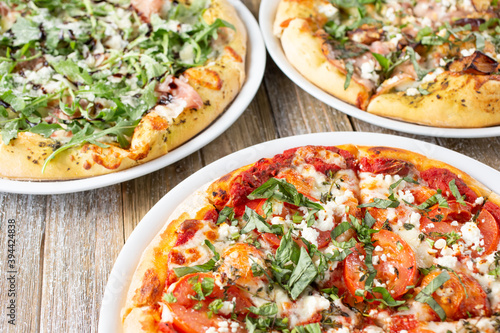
x=328 y=10
x=368 y=71
x=440 y=244
x=310 y=235
x=479 y=201
x=412 y=92
x=471 y=234
x=446 y=261
x=467 y=53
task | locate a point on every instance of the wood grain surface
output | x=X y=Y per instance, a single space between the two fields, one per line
x=66 y=244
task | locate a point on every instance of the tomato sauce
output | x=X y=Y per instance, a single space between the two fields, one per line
x=385 y=165
x=438 y=178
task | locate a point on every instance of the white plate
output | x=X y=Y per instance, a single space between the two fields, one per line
x=127 y=261
x=256 y=63
x=267 y=13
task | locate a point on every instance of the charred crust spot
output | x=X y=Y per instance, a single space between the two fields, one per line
x=86 y=165
x=28 y=157
x=35 y=161
x=438 y=96
x=233 y=54
x=151 y=288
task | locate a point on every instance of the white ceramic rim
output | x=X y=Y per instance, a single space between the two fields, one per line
x=267 y=14
x=128 y=259
x=256 y=63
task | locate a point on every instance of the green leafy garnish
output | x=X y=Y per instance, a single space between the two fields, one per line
x=425 y=295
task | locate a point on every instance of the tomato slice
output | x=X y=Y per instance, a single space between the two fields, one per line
x=192 y=321
x=453 y=298
x=184 y=293
x=462 y=214
x=489 y=229
x=396 y=267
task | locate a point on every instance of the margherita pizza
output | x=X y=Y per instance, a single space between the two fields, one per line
x=93 y=87
x=326 y=239
x=427 y=62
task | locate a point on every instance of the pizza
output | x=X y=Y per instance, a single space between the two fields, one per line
x=93 y=87
x=427 y=62
x=326 y=239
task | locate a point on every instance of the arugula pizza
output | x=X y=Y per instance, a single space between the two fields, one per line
x=92 y=87
x=428 y=62
x=326 y=239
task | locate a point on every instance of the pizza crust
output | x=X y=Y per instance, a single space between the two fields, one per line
x=454 y=101
x=303 y=51
x=148 y=280
x=423 y=163
x=24 y=157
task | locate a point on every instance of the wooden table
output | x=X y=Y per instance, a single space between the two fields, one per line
x=66 y=244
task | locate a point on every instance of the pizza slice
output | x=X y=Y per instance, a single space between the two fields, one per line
x=93 y=88
x=434 y=63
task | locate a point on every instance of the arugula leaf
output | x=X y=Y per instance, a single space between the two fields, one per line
x=10 y=130
x=425 y=295
x=71 y=70
x=45 y=129
x=303 y=274
x=86 y=135
x=25 y=31
x=255 y=221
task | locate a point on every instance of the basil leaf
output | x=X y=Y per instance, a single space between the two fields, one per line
x=436 y=198
x=383 y=61
x=287 y=251
x=425 y=295
x=350 y=71
x=456 y=192
x=206 y=267
x=413 y=58
x=281 y=190
x=340 y=229
x=266 y=310
x=387 y=299
x=169 y=298
x=255 y=221
x=304 y=273
x=309 y=328
x=381 y=203
x=227 y=213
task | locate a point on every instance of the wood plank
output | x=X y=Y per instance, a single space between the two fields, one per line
x=139 y=195
x=256 y=125
x=29 y=215
x=295 y=111
x=486 y=150
x=83 y=236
